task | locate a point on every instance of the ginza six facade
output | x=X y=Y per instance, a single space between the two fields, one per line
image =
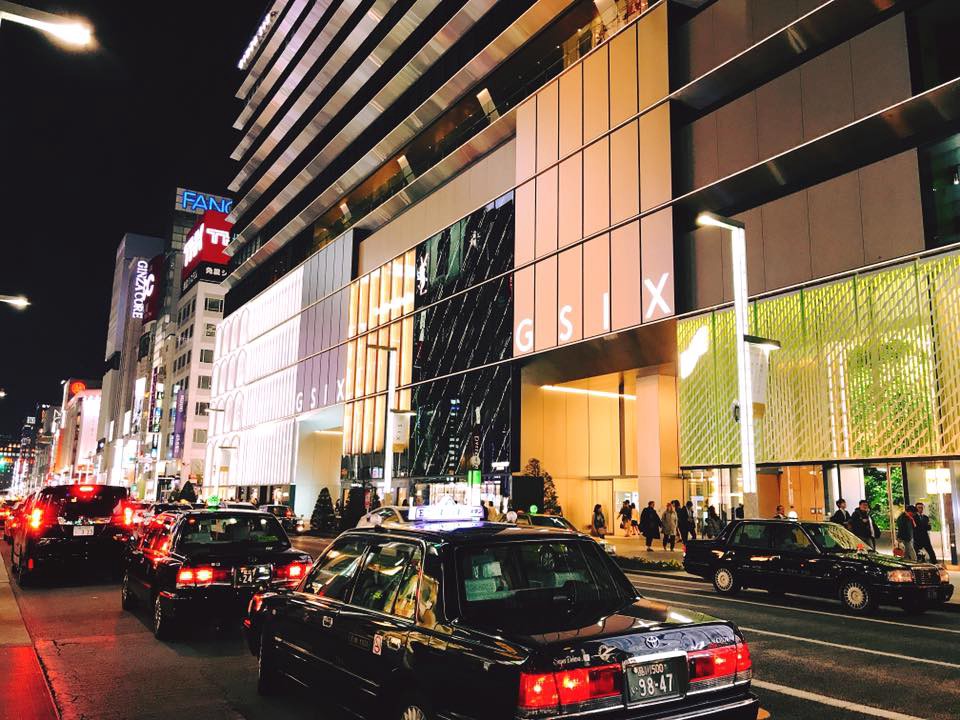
x=527 y=250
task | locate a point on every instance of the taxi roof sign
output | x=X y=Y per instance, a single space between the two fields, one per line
x=446 y=512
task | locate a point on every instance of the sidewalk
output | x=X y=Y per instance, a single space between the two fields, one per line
x=635 y=548
x=22 y=684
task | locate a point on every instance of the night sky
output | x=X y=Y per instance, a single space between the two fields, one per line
x=92 y=145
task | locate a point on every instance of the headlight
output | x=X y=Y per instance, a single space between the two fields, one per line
x=944 y=575
x=900 y=576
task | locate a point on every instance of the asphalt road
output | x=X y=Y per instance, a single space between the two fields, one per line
x=812 y=661
x=104 y=664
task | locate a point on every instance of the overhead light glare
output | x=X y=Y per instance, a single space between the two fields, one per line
x=583 y=391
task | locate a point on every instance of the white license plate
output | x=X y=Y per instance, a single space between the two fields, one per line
x=81 y=530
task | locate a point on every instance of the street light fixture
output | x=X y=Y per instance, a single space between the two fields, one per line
x=18 y=301
x=69 y=31
x=738 y=254
x=3 y=393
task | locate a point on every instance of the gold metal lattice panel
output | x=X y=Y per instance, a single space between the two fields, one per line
x=869 y=367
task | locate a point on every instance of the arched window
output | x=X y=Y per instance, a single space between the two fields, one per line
x=238 y=412
x=244 y=326
x=228 y=415
x=215 y=380
x=231 y=374
x=241 y=368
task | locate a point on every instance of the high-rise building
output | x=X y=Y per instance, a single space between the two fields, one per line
x=9 y=457
x=498 y=204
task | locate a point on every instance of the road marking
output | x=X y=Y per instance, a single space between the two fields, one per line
x=832 y=702
x=853 y=648
x=934 y=628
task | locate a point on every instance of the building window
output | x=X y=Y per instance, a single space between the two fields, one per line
x=210 y=330
x=200 y=435
x=203 y=382
x=214 y=305
x=206 y=355
x=201 y=408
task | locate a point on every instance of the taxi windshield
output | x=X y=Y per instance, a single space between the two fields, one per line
x=219 y=532
x=554 y=521
x=548 y=580
x=831 y=537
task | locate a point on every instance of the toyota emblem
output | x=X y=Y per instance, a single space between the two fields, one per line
x=652 y=642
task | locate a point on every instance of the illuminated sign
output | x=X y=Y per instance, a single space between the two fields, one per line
x=203 y=252
x=77 y=386
x=144 y=284
x=198 y=202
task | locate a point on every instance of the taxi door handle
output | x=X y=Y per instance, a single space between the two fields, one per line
x=327 y=621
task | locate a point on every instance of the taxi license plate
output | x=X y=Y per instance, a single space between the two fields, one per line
x=81 y=530
x=252 y=574
x=656 y=680
x=931 y=594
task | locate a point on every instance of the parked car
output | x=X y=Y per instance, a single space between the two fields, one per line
x=62 y=525
x=205 y=564
x=6 y=512
x=385 y=515
x=558 y=521
x=12 y=520
x=814 y=558
x=487 y=621
x=284 y=513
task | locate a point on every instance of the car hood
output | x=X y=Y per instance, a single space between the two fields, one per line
x=884 y=562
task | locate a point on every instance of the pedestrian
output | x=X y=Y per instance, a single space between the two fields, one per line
x=781 y=515
x=624 y=514
x=841 y=516
x=669 y=522
x=634 y=520
x=599 y=522
x=906 y=532
x=650 y=524
x=738 y=513
x=714 y=525
x=921 y=534
x=863 y=526
x=687 y=522
x=493 y=515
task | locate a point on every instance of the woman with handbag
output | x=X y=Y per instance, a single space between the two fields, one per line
x=599 y=522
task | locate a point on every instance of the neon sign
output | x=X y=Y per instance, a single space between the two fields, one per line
x=199 y=202
x=143 y=286
x=194 y=244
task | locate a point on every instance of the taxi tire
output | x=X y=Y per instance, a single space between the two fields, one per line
x=725 y=581
x=163 y=628
x=24 y=576
x=857 y=597
x=412 y=706
x=127 y=600
x=269 y=681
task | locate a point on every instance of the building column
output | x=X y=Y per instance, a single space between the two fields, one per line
x=658 y=453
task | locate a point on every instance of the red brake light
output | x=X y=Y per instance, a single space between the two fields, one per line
x=730 y=662
x=194 y=577
x=86 y=488
x=584 y=684
x=128 y=516
x=36 y=518
x=294 y=571
x=185 y=576
x=538 y=692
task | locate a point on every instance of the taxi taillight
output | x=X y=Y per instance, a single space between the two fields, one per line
x=547 y=691
x=730 y=662
x=290 y=573
x=200 y=576
x=36 y=519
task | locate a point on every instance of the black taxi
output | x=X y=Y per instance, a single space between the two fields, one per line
x=206 y=564
x=471 y=619
x=814 y=558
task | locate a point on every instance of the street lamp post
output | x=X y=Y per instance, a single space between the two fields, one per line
x=69 y=31
x=738 y=253
x=389 y=420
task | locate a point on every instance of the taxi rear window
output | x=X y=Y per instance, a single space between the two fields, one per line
x=220 y=531
x=533 y=575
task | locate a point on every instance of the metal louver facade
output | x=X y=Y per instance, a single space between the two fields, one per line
x=869 y=368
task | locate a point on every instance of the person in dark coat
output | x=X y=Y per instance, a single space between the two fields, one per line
x=863 y=525
x=921 y=534
x=841 y=516
x=906 y=527
x=650 y=524
x=686 y=522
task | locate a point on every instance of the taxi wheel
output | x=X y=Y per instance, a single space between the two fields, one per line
x=412 y=707
x=268 y=679
x=857 y=597
x=725 y=581
x=162 y=624
x=127 y=600
x=23 y=574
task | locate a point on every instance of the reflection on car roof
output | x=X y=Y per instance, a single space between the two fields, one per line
x=457 y=532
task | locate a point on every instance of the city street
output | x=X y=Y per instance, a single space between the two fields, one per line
x=809 y=659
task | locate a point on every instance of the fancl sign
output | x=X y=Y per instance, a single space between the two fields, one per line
x=143 y=286
x=199 y=203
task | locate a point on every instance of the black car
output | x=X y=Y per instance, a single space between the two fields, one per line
x=284 y=514
x=205 y=564
x=65 y=524
x=814 y=558
x=487 y=620
x=7 y=508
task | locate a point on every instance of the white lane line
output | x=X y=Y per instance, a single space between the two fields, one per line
x=837 y=616
x=833 y=702
x=853 y=648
